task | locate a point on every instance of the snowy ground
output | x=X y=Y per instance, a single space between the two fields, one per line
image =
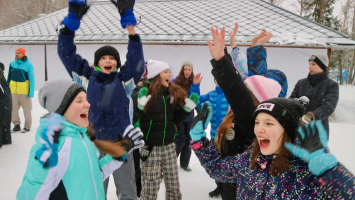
x=194 y=185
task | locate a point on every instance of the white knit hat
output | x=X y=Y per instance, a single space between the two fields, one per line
x=263 y=88
x=187 y=62
x=155 y=67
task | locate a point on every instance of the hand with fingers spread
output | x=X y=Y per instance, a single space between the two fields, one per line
x=201 y=121
x=262 y=38
x=77 y=9
x=314 y=141
x=198 y=78
x=232 y=35
x=217 y=50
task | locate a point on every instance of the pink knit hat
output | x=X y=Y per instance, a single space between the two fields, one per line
x=263 y=88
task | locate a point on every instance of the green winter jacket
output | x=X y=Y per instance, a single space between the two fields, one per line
x=79 y=168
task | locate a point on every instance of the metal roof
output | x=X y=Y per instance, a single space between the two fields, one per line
x=182 y=22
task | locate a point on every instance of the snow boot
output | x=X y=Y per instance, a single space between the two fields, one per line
x=16 y=128
x=215 y=193
x=186 y=169
x=25 y=130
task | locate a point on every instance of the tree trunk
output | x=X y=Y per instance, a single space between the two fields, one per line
x=340 y=67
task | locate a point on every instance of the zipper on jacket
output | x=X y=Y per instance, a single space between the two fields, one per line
x=165 y=120
x=92 y=174
x=150 y=125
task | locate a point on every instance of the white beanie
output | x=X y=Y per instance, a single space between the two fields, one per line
x=155 y=67
x=187 y=62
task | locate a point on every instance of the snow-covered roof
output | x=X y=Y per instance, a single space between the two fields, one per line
x=182 y=22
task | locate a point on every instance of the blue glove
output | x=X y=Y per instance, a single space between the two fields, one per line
x=125 y=8
x=314 y=141
x=48 y=153
x=77 y=9
x=200 y=122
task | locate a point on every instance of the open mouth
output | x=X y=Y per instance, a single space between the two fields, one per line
x=84 y=116
x=167 y=81
x=264 y=143
x=108 y=68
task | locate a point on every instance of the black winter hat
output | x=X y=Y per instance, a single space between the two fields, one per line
x=287 y=111
x=2 y=66
x=107 y=50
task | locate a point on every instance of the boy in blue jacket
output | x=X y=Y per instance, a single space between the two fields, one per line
x=106 y=86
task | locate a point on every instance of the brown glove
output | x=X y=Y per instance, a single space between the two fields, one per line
x=308 y=117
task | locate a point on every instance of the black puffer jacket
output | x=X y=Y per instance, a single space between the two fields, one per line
x=241 y=103
x=5 y=93
x=159 y=123
x=323 y=95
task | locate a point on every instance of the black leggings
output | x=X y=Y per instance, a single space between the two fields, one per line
x=228 y=191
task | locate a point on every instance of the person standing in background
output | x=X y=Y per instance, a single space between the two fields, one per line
x=21 y=80
x=5 y=109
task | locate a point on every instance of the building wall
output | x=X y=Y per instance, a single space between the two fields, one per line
x=292 y=61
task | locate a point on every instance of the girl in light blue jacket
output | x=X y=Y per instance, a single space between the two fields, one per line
x=64 y=163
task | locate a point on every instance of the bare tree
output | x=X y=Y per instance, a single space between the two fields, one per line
x=276 y=2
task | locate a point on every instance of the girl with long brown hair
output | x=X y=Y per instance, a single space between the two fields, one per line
x=182 y=138
x=159 y=108
x=272 y=168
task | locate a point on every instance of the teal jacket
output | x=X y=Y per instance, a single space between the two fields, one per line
x=79 y=168
x=21 y=78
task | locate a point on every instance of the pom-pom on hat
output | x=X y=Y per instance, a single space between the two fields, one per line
x=155 y=67
x=288 y=112
x=56 y=96
x=263 y=88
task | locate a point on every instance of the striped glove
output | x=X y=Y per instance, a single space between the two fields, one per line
x=48 y=153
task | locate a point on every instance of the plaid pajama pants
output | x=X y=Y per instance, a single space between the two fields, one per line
x=161 y=158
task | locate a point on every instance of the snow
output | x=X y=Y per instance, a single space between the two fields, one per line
x=194 y=185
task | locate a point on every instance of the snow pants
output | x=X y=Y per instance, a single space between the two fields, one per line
x=5 y=126
x=125 y=181
x=21 y=100
x=182 y=142
x=161 y=158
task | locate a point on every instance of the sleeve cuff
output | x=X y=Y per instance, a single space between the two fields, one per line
x=135 y=38
x=66 y=31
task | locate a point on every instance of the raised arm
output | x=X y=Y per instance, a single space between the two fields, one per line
x=238 y=58
x=256 y=54
x=76 y=66
x=232 y=84
x=133 y=69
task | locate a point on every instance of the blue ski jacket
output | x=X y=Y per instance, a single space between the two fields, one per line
x=107 y=93
x=219 y=103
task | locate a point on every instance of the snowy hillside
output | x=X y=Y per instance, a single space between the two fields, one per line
x=194 y=185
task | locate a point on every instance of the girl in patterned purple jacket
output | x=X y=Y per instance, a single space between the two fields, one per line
x=272 y=167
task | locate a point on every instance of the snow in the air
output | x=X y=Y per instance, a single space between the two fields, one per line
x=194 y=185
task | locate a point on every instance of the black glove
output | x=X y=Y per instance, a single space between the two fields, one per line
x=77 y=9
x=125 y=8
x=123 y=5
